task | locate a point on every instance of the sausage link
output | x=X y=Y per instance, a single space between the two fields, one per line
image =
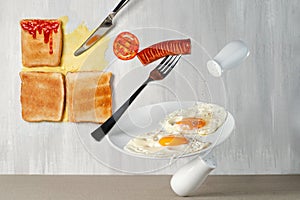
x=162 y=49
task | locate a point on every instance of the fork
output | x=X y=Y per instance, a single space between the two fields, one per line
x=158 y=73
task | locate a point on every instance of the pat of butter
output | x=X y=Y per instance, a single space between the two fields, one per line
x=92 y=60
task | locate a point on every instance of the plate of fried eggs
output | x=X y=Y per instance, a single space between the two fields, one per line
x=171 y=129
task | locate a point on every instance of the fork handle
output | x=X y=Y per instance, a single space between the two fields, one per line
x=101 y=131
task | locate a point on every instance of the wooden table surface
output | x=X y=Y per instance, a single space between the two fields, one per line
x=145 y=187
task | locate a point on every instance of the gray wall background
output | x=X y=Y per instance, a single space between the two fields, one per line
x=263 y=94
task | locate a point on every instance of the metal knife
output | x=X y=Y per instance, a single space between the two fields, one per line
x=106 y=25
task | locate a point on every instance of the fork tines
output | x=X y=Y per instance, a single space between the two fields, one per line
x=168 y=63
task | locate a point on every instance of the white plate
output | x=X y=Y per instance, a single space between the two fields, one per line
x=147 y=118
x=189 y=81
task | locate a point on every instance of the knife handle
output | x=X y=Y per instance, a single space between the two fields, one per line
x=121 y=4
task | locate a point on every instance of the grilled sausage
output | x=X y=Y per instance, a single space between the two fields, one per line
x=162 y=49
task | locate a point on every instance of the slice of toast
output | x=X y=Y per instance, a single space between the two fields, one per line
x=42 y=96
x=89 y=96
x=42 y=42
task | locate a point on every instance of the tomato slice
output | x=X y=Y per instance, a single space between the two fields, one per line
x=126 y=46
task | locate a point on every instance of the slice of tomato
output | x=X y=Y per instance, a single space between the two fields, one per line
x=126 y=46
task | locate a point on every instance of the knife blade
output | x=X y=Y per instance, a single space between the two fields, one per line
x=101 y=30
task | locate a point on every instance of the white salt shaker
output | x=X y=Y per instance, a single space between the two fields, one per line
x=191 y=176
x=233 y=54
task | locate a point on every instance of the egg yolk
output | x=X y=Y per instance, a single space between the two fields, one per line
x=172 y=140
x=192 y=122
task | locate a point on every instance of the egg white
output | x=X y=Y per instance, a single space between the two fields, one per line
x=148 y=144
x=212 y=114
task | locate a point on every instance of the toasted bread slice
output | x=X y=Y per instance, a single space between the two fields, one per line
x=42 y=42
x=89 y=96
x=42 y=96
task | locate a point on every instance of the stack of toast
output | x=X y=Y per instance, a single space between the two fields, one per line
x=46 y=96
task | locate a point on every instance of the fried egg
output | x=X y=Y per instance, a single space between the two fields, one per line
x=162 y=144
x=182 y=132
x=202 y=119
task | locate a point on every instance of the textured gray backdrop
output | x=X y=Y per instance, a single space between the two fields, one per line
x=263 y=94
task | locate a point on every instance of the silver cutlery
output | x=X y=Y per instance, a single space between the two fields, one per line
x=158 y=73
x=102 y=29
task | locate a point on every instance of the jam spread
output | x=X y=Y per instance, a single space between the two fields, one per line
x=47 y=27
